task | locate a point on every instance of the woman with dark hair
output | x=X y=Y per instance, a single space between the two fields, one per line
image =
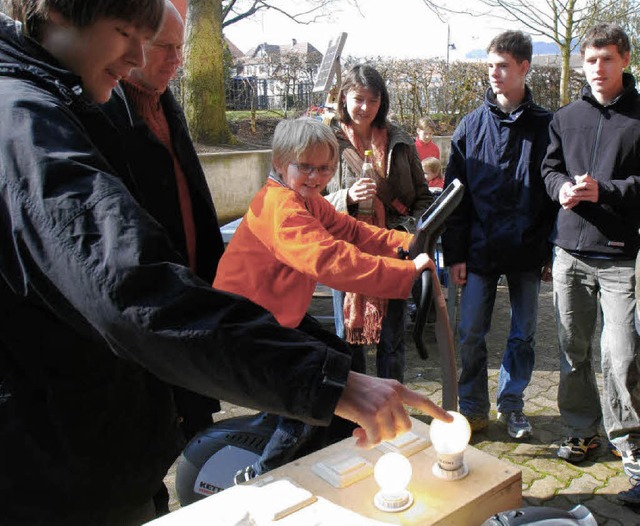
x=399 y=197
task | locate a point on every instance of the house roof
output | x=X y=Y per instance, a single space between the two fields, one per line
x=235 y=50
x=273 y=52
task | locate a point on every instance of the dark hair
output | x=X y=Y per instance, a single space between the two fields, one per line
x=516 y=43
x=364 y=76
x=81 y=13
x=602 y=35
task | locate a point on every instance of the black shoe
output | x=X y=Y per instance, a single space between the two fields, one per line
x=244 y=475
x=575 y=449
x=631 y=496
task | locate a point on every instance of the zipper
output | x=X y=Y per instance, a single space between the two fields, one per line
x=592 y=164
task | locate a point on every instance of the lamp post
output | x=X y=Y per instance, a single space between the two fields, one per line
x=450 y=45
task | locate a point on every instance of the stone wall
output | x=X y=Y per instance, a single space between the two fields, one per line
x=234 y=178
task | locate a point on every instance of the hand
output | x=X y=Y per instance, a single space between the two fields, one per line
x=422 y=263
x=586 y=188
x=376 y=405
x=546 y=275
x=458 y=273
x=566 y=196
x=361 y=190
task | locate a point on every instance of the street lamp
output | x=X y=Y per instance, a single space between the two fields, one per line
x=450 y=45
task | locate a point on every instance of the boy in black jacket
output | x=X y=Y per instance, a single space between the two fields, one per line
x=592 y=169
x=98 y=311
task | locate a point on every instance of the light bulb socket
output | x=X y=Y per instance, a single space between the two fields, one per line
x=393 y=501
x=450 y=466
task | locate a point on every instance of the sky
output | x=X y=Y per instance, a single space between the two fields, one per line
x=411 y=31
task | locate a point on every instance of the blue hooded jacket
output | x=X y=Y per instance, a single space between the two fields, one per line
x=505 y=218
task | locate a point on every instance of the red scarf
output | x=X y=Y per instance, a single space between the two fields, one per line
x=363 y=314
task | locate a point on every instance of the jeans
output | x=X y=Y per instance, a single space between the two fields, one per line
x=288 y=438
x=476 y=307
x=580 y=287
x=390 y=353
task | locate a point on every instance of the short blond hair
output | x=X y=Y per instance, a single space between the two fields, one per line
x=432 y=164
x=292 y=137
x=425 y=123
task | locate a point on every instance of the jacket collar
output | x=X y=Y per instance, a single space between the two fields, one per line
x=23 y=57
x=491 y=101
x=628 y=90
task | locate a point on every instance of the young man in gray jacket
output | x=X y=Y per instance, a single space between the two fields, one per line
x=592 y=169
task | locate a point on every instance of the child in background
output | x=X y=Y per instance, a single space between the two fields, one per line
x=291 y=238
x=432 y=168
x=425 y=146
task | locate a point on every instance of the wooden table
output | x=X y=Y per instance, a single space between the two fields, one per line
x=491 y=486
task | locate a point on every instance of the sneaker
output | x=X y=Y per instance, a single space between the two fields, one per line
x=631 y=463
x=477 y=422
x=244 y=475
x=575 y=449
x=517 y=423
x=631 y=496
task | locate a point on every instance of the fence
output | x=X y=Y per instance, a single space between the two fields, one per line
x=245 y=93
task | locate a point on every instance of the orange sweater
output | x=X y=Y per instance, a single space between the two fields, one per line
x=286 y=244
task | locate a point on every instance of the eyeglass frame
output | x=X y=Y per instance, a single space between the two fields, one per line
x=308 y=169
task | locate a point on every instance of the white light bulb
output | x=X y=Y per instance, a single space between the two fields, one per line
x=393 y=474
x=450 y=439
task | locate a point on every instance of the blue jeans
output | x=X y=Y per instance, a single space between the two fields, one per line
x=476 y=307
x=288 y=438
x=390 y=353
x=582 y=286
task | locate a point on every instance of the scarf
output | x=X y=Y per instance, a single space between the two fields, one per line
x=363 y=314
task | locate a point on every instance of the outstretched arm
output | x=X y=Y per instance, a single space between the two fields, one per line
x=377 y=406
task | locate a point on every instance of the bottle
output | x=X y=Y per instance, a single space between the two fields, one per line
x=366 y=207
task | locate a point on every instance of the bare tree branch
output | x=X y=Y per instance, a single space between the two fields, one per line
x=312 y=10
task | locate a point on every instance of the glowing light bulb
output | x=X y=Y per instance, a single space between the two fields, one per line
x=450 y=440
x=393 y=474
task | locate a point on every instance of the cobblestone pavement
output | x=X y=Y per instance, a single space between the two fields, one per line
x=546 y=480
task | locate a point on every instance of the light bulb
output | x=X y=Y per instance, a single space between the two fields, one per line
x=450 y=439
x=393 y=474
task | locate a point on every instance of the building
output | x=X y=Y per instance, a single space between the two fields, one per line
x=275 y=77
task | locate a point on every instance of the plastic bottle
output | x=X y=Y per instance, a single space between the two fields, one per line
x=366 y=207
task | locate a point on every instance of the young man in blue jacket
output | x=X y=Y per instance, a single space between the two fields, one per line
x=99 y=313
x=500 y=228
x=592 y=169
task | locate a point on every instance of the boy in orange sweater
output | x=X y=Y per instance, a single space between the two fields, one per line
x=291 y=238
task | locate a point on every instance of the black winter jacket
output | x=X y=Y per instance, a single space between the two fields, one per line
x=152 y=181
x=98 y=314
x=504 y=219
x=603 y=141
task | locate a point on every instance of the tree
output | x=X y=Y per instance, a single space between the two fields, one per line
x=564 y=22
x=204 y=81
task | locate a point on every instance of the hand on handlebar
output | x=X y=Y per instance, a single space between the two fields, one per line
x=422 y=263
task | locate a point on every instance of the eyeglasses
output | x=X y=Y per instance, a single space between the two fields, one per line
x=308 y=169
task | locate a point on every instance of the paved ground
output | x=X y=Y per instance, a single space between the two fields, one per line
x=546 y=479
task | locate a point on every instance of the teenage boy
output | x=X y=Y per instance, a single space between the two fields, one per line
x=98 y=309
x=592 y=169
x=501 y=227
